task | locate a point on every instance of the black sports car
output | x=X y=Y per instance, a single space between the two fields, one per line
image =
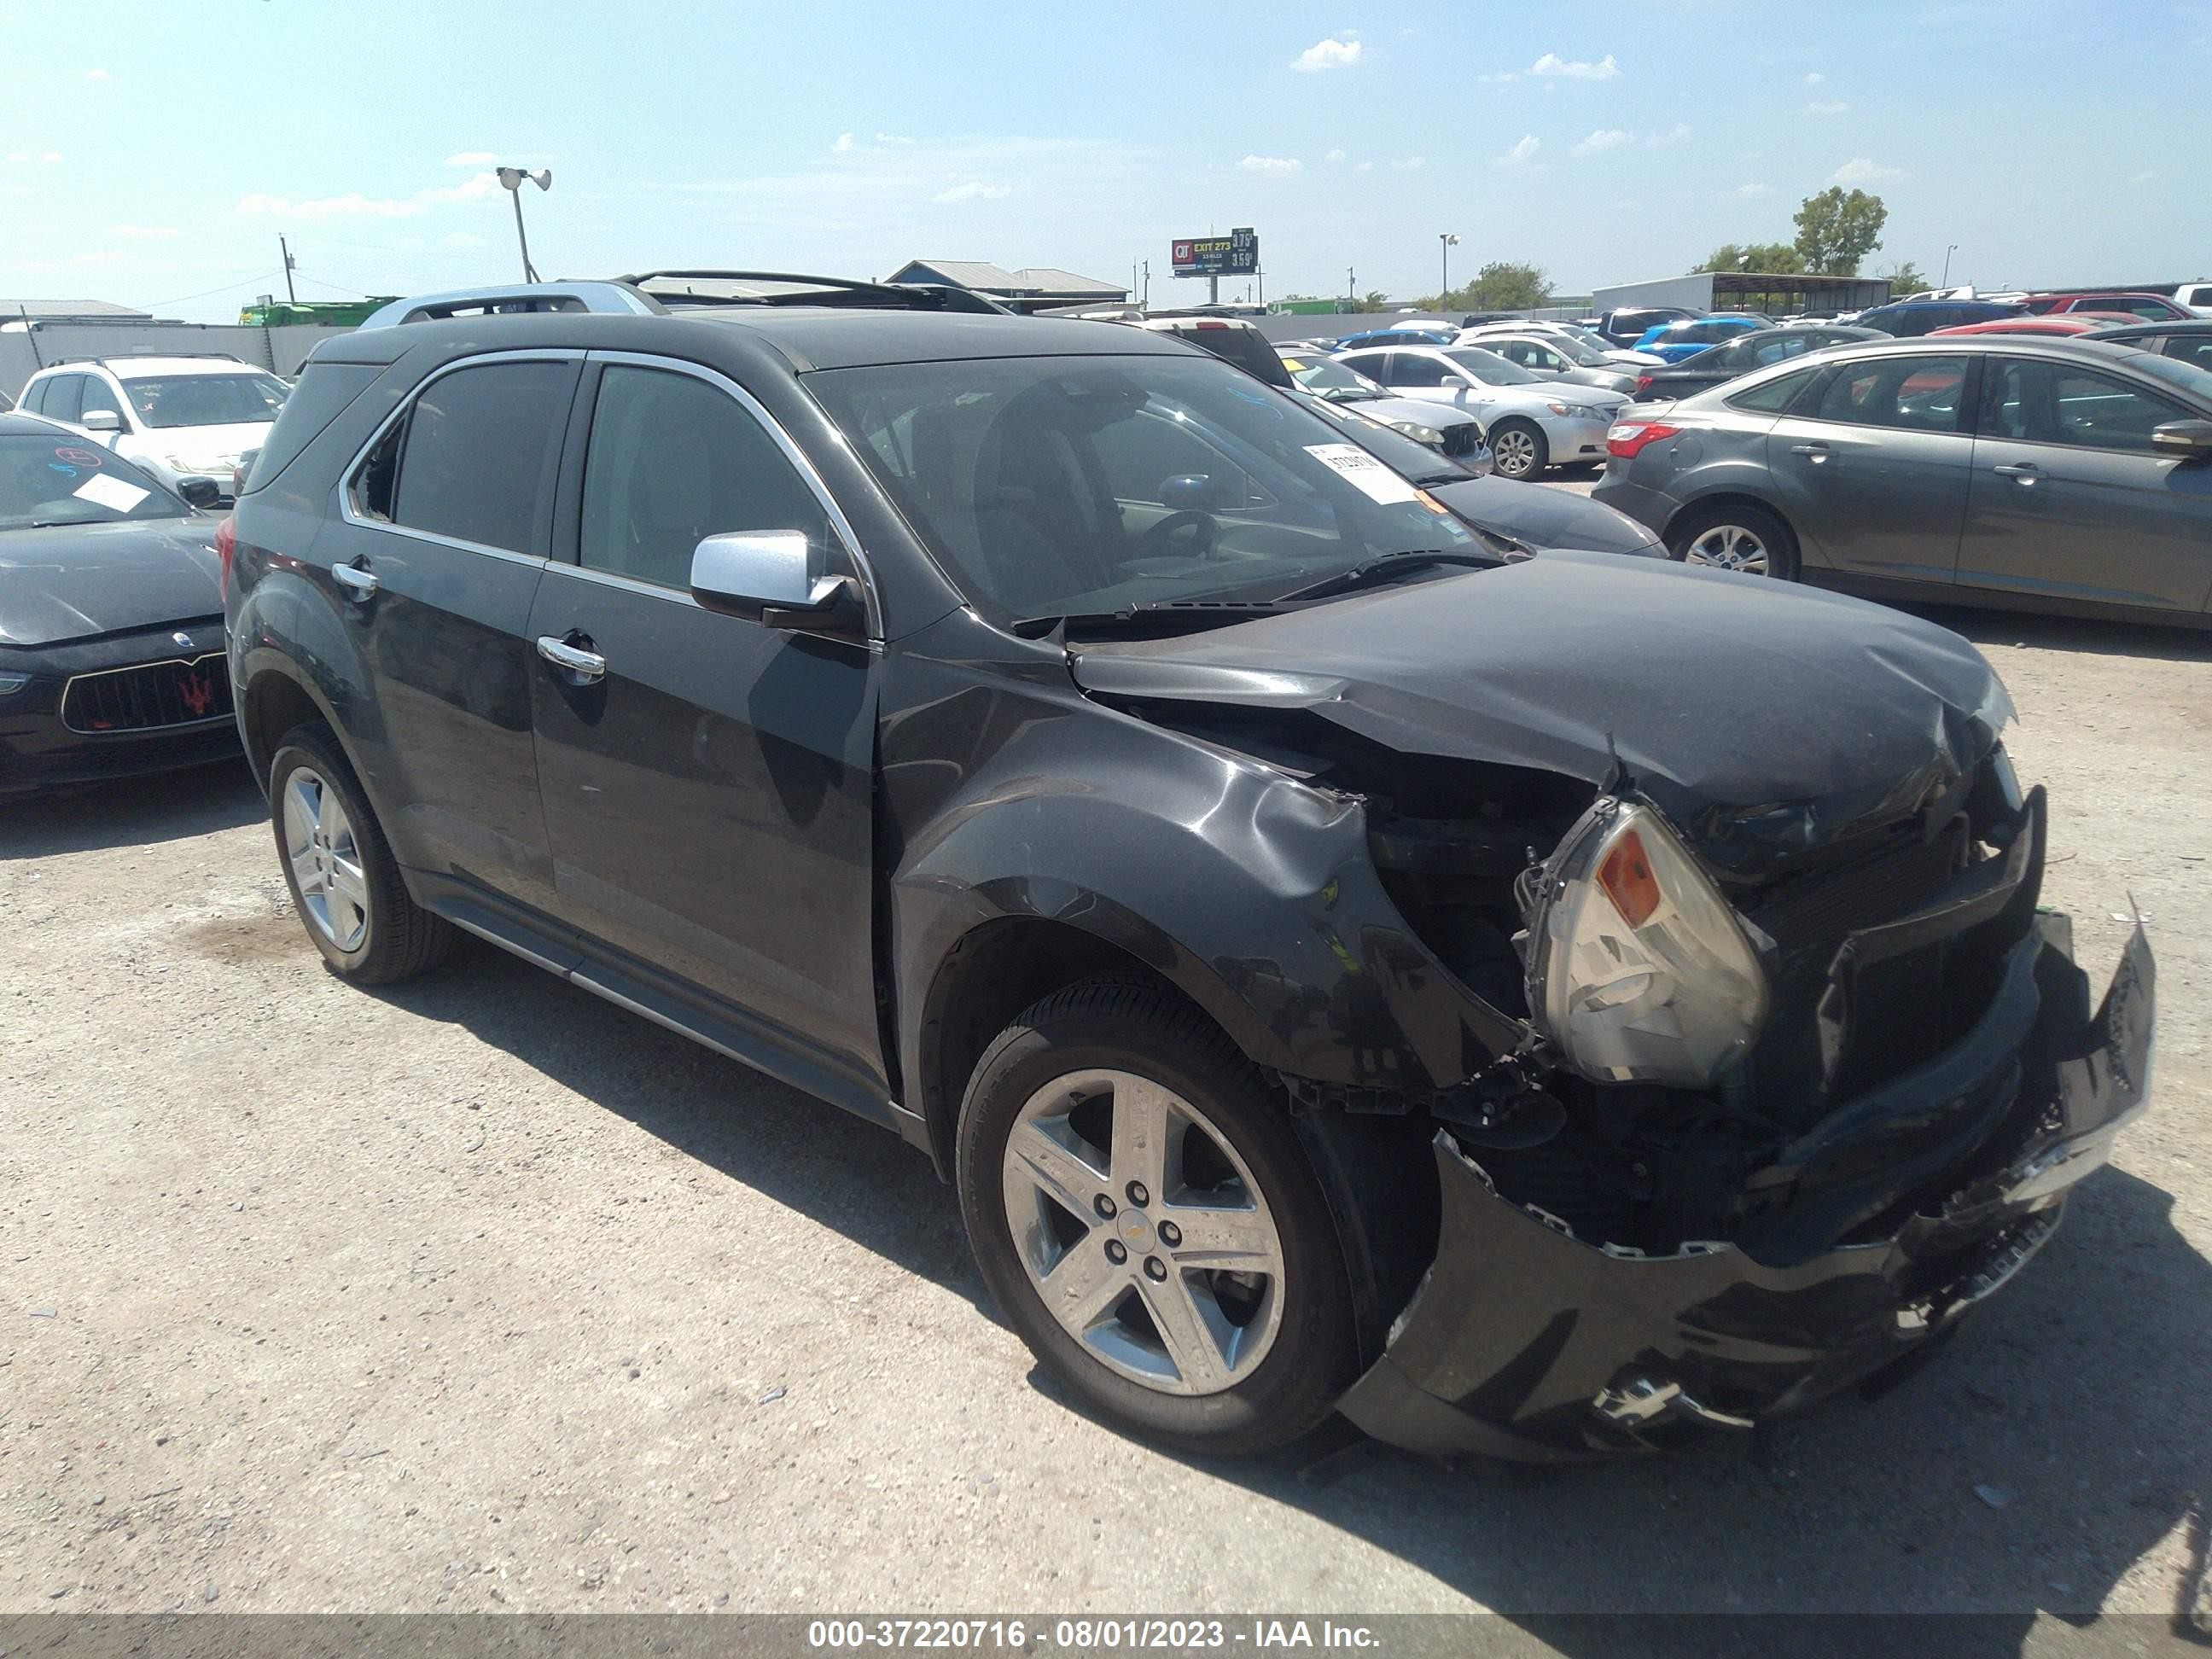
x=110 y=616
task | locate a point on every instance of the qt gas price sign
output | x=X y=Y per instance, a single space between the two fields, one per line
x=1236 y=254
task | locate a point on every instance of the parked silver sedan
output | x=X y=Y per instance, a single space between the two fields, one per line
x=1555 y=357
x=1531 y=423
x=2010 y=470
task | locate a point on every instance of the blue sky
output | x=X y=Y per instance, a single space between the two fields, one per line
x=151 y=153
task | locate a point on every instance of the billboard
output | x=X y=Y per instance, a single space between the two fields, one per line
x=1236 y=254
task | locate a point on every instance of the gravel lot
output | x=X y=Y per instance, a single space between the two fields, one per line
x=480 y=1294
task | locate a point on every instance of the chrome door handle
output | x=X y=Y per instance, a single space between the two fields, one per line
x=584 y=664
x=360 y=582
x=1818 y=452
x=2026 y=471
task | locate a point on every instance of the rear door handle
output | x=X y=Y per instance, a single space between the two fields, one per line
x=2025 y=471
x=357 y=578
x=584 y=664
x=1818 y=452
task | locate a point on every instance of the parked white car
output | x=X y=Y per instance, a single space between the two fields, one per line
x=1600 y=350
x=1531 y=423
x=177 y=417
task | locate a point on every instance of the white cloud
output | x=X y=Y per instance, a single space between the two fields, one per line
x=1327 y=55
x=1275 y=167
x=1859 y=171
x=1411 y=164
x=355 y=205
x=1550 y=63
x=472 y=158
x=974 y=190
x=1521 y=152
x=1754 y=190
x=1365 y=166
x=105 y=257
x=49 y=157
x=1604 y=139
x=1814 y=78
x=1827 y=108
x=845 y=141
x=1498 y=79
x=1333 y=155
x=1674 y=135
x=145 y=233
x=95 y=75
x=893 y=138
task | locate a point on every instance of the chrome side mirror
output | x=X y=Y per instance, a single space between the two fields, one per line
x=774 y=577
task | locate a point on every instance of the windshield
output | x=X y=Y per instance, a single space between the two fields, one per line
x=1489 y=367
x=205 y=399
x=1058 y=486
x=1574 y=351
x=45 y=478
x=1597 y=343
x=1329 y=378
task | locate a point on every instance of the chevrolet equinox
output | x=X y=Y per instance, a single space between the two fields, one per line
x=1338 y=968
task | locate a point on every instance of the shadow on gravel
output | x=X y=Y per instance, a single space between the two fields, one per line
x=131 y=812
x=852 y=1176
x=2065 y=1433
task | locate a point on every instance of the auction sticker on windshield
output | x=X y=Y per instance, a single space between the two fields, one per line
x=1363 y=471
x=104 y=491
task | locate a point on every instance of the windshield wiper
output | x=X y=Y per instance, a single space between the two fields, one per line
x=1383 y=565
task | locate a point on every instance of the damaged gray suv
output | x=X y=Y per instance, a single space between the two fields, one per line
x=1340 y=969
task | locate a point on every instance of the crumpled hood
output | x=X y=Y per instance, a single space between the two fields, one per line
x=76 y=580
x=1763 y=718
x=1542 y=517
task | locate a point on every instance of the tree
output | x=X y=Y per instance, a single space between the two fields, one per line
x=1837 y=229
x=1768 y=256
x=1907 y=278
x=1501 y=285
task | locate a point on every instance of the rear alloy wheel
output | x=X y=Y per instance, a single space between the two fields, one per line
x=1517 y=449
x=1139 y=1203
x=1748 y=540
x=345 y=882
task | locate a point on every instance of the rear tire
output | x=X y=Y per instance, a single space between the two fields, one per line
x=1736 y=536
x=1080 y=1249
x=344 y=883
x=1518 y=449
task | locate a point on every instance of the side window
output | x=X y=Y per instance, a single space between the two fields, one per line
x=671 y=461
x=477 y=452
x=1765 y=352
x=1408 y=369
x=2035 y=401
x=1919 y=394
x=1375 y=365
x=34 y=398
x=62 y=393
x=1772 y=396
x=2190 y=349
x=1546 y=359
x=97 y=396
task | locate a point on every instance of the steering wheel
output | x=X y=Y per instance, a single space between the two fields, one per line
x=1203 y=526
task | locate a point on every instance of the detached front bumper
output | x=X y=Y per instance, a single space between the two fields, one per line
x=1525 y=1343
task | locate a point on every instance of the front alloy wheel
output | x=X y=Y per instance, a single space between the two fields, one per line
x=325 y=859
x=1143 y=1232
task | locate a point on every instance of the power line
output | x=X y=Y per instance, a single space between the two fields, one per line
x=243 y=281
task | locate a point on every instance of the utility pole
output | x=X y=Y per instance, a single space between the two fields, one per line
x=290 y=293
x=510 y=180
x=1945 y=281
x=1351 y=288
x=1446 y=241
x=1148 y=285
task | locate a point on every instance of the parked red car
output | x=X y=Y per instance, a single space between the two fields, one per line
x=2071 y=322
x=2150 y=308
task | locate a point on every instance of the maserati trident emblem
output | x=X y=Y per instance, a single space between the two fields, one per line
x=198 y=691
x=182 y=638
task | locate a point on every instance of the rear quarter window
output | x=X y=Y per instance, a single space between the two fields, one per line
x=323 y=394
x=1774 y=395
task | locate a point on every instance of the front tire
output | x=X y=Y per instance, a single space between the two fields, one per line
x=1518 y=449
x=1738 y=537
x=344 y=883
x=1138 y=1200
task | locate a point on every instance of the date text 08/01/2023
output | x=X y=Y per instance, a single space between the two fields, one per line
x=1086 y=1634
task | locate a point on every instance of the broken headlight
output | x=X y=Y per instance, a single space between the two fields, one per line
x=1639 y=970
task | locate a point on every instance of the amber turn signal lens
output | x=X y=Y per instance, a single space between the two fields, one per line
x=1626 y=877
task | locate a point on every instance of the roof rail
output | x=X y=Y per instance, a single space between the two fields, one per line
x=102 y=361
x=786 y=288
x=615 y=297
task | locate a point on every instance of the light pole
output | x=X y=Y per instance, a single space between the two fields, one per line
x=1446 y=242
x=510 y=180
x=1948 y=252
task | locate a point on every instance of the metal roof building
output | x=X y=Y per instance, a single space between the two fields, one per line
x=1745 y=291
x=1034 y=288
